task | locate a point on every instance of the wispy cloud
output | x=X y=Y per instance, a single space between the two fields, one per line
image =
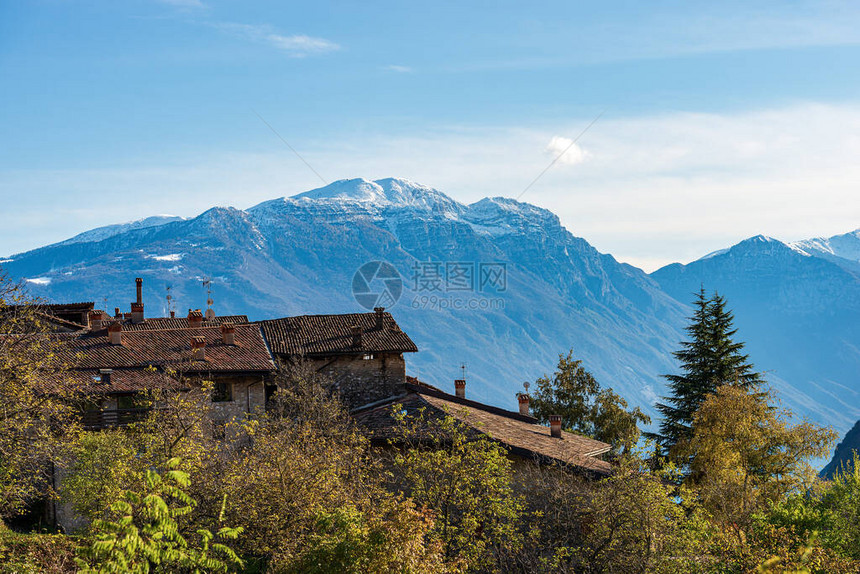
x=184 y=3
x=297 y=46
x=399 y=69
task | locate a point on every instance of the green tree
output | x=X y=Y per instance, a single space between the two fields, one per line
x=466 y=479
x=708 y=360
x=144 y=535
x=585 y=407
x=745 y=453
x=37 y=405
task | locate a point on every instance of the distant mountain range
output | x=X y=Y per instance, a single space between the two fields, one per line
x=498 y=285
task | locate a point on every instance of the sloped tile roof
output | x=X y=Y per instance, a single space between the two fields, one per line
x=156 y=323
x=168 y=348
x=521 y=434
x=310 y=335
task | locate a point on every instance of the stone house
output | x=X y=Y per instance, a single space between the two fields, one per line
x=362 y=354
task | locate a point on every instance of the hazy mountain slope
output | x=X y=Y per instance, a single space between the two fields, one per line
x=800 y=317
x=844 y=455
x=298 y=255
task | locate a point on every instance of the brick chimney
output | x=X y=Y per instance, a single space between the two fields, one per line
x=198 y=348
x=228 y=333
x=117 y=314
x=523 y=399
x=380 y=316
x=356 y=336
x=555 y=425
x=104 y=375
x=195 y=318
x=137 y=306
x=460 y=388
x=96 y=320
x=115 y=333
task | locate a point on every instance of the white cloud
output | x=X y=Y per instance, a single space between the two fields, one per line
x=297 y=46
x=399 y=69
x=572 y=153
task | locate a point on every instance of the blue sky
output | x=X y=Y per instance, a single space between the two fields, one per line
x=722 y=120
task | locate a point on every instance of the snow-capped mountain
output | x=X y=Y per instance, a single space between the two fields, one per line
x=100 y=233
x=797 y=307
x=299 y=255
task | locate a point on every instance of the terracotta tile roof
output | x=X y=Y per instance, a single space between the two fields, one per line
x=177 y=322
x=310 y=335
x=169 y=348
x=521 y=434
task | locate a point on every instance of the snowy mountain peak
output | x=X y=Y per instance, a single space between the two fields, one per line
x=101 y=233
x=389 y=192
x=845 y=246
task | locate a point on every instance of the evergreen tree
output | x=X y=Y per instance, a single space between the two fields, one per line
x=708 y=360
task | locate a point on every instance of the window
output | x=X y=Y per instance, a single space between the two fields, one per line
x=126 y=402
x=368 y=357
x=222 y=393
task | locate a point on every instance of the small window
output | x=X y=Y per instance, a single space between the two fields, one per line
x=368 y=357
x=222 y=393
x=126 y=402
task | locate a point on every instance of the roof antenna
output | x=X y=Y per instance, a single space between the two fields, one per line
x=210 y=312
x=171 y=312
x=463 y=371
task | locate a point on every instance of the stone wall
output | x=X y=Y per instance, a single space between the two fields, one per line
x=361 y=380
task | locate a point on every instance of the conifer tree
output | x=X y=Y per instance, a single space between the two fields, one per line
x=709 y=359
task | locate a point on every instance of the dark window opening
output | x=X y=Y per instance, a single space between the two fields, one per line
x=222 y=393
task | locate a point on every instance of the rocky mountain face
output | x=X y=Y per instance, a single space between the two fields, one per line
x=498 y=285
x=843 y=457
x=798 y=308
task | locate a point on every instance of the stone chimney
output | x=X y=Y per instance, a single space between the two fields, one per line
x=96 y=320
x=115 y=333
x=460 y=388
x=228 y=333
x=523 y=399
x=117 y=314
x=104 y=375
x=195 y=318
x=380 y=316
x=173 y=314
x=198 y=348
x=356 y=336
x=137 y=306
x=555 y=425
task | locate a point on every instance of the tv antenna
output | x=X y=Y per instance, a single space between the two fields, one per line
x=207 y=284
x=463 y=371
x=170 y=304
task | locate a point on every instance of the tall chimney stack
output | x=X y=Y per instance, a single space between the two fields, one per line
x=555 y=426
x=198 y=348
x=96 y=318
x=228 y=333
x=117 y=314
x=356 y=336
x=380 y=316
x=115 y=333
x=137 y=306
x=195 y=318
x=523 y=399
x=460 y=388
